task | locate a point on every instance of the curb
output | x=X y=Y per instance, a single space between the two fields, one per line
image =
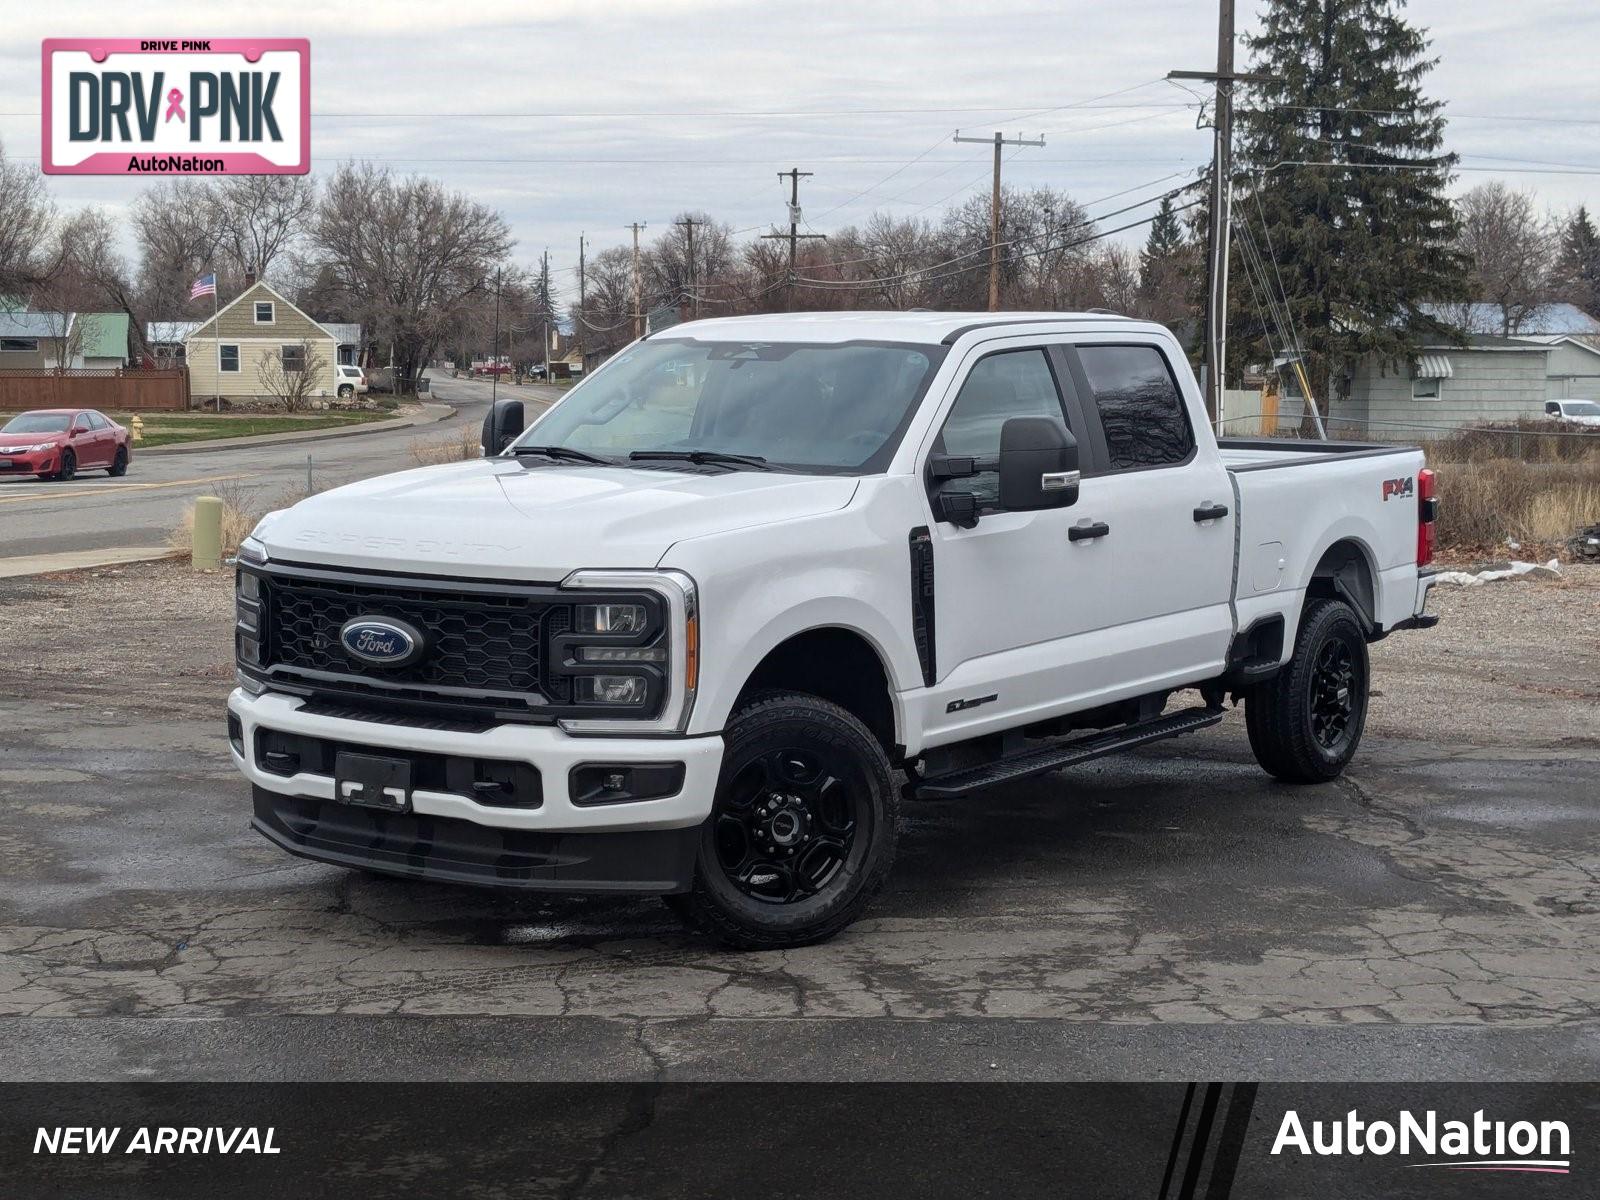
x=80 y=560
x=431 y=414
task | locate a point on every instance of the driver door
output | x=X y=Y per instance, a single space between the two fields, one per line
x=1002 y=592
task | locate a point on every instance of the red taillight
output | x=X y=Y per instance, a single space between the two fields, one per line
x=1427 y=514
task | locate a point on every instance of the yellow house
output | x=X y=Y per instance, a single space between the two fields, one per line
x=260 y=348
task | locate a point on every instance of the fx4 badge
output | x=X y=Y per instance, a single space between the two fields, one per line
x=959 y=705
x=1399 y=487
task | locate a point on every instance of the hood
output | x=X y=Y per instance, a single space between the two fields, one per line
x=496 y=518
x=9 y=441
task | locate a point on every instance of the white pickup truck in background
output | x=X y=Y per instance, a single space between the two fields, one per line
x=678 y=637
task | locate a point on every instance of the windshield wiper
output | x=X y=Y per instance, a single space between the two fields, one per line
x=566 y=453
x=712 y=458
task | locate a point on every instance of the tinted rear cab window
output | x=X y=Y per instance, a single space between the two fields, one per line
x=1141 y=410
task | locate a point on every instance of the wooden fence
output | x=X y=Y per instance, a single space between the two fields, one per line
x=109 y=391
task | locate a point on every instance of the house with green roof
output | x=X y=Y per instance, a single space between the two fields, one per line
x=103 y=340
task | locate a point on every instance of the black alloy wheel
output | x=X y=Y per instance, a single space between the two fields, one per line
x=802 y=828
x=786 y=826
x=1306 y=721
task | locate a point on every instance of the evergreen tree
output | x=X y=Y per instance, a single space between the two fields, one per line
x=1166 y=268
x=1580 y=262
x=1342 y=189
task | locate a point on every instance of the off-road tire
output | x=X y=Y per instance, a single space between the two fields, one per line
x=772 y=722
x=1280 y=713
x=119 y=465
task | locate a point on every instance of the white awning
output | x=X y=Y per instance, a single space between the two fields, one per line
x=1434 y=366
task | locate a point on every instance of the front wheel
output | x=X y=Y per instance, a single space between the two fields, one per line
x=802 y=831
x=1306 y=721
x=68 y=467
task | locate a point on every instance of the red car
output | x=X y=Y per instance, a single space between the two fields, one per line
x=57 y=443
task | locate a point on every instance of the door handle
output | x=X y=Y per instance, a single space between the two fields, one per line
x=1084 y=533
x=1210 y=512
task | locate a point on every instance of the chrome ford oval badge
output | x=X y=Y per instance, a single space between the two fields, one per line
x=381 y=641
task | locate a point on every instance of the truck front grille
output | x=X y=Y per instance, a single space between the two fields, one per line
x=476 y=642
x=492 y=650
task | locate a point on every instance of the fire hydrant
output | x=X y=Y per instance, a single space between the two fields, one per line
x=136 y=426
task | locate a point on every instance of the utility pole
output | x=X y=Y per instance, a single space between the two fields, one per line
x=994 y=209
x=638 y=316
x=544 y=284
x=581 y=329
x=688 y=224
x=793 y=175
x=1217 y=238
x=494 y=350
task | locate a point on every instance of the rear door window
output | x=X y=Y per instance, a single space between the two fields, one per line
x=1141 y=410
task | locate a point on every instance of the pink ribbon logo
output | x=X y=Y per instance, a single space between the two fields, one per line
x=175 y=105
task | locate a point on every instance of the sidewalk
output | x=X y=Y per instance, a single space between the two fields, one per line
x=431 y=414
x=79 y=560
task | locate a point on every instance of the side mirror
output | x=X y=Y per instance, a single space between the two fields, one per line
x=502 y=426
x=1038 y=464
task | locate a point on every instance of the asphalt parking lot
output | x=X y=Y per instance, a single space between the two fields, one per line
x=1168 y=914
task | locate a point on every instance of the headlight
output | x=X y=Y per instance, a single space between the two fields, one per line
x=659 y=641
x=610 y=618
x=630 y=690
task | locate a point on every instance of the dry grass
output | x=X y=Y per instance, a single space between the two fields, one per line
x=461 y=446
x=1530 y=439
x=1485 y=502
x=242 y=507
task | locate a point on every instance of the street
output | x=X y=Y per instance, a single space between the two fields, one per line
x=1161 y=915
x=142 y=508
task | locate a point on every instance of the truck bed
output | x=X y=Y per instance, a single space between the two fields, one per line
x=1257 y=454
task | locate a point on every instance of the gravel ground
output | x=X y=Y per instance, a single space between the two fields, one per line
x=1513 y=663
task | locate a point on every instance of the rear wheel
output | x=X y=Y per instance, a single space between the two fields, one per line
x=1306 y=722
x=346 y=391
x=68 y=467
x=119 y=465
x=802 y=831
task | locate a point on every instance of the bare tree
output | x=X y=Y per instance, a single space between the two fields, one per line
x=1513 y=248
x=260 y=217
x=175 y=226
x=26 y=218
x=406 y=255
x=293 y=375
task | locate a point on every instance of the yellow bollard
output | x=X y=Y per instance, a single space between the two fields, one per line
x=136 y=426
x=205 y=547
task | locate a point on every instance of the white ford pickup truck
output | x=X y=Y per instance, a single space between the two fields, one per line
x=679 y=636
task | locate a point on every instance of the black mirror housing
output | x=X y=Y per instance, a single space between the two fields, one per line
x=502 y=426
x=1038 y=464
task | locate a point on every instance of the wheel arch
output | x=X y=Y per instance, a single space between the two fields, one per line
x=1346 y=571
x=837 y=663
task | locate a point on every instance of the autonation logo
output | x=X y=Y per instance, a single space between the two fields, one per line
x=1476 y=1145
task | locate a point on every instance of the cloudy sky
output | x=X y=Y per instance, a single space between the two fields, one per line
x=580 y=116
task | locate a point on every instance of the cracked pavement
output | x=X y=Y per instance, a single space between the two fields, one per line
x=1163 y=914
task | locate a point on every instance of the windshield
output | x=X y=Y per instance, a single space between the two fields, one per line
x=1584 y=408
x=37 y=423
x=832 y=408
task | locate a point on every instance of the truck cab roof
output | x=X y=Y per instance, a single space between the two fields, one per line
x=929 y=328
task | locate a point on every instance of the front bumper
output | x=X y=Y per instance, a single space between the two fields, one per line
x=559 y=845
x=28 y=464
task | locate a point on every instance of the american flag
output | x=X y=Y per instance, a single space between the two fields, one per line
x=206 y=285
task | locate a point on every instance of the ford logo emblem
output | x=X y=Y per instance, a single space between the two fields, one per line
x=381 y=641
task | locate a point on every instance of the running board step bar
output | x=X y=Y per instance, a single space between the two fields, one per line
x=1068 y=754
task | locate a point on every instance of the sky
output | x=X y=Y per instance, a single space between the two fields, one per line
x=580 y=117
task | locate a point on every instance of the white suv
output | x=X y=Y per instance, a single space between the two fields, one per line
x=352 y=381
